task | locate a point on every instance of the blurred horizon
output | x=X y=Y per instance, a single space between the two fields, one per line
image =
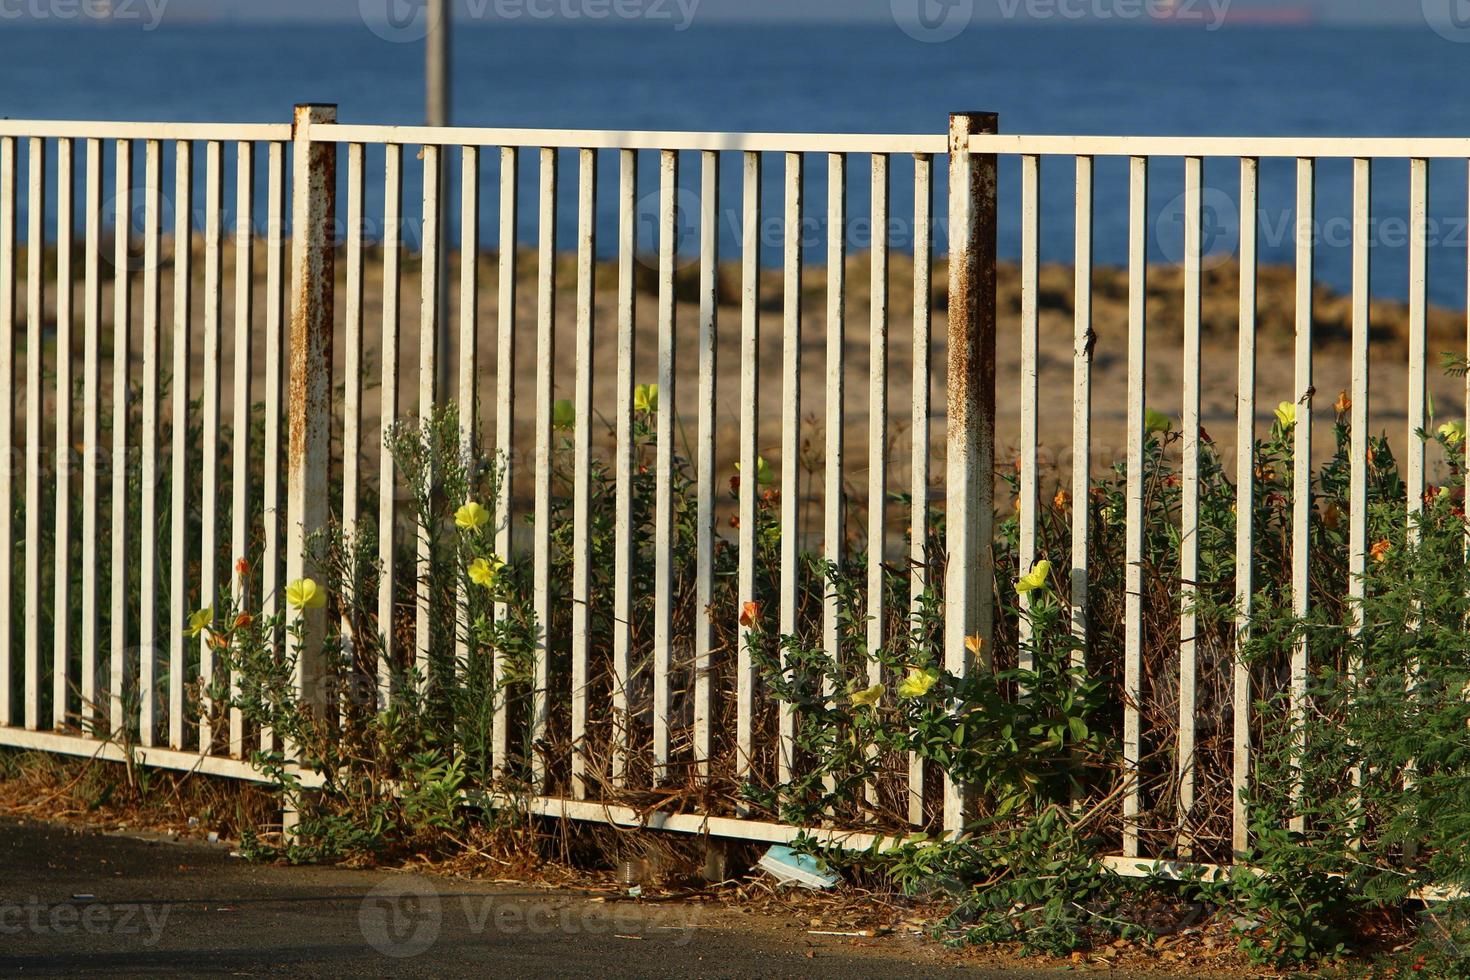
x=1201 y=14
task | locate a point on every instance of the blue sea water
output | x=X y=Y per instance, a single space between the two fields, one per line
x=818 y=77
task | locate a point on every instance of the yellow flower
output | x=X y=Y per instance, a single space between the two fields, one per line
x=918 y=683
x=1453 y=432
x=974 y=644
x=763 y=475
x=868 y=698
x=645 y=398
x=305 y=594
x=1156 y=421
x=199 y=622
x=1286 y=414
x=484 y=571
x=1036 y=578
x=472 y=517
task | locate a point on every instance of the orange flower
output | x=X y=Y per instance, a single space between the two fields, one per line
x=1062 y=500
x=1344 y=403
x=242 y=567
x=750 y=615
x=973 y=644
x=243 y=620
x=1380 y=551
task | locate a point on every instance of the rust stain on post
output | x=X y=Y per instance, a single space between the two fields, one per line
x=314 y=188
x=970 y=386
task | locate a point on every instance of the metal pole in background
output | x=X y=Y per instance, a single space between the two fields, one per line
x=437 y=113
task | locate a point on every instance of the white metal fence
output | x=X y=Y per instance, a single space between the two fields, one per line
x=89 y=673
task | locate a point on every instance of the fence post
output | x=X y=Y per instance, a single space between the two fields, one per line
x=970 y=382
x=313 y=219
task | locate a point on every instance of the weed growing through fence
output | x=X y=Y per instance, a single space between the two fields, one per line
x=1379 y=794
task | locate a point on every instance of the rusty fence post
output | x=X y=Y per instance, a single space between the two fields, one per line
x=970 y=383
x=313 y=219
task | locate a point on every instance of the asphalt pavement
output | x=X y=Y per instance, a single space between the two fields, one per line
x=78 y=902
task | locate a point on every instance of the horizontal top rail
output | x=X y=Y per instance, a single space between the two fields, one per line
x=634 y=140
x=1410 y=147
x=78 y=129
x=1419 y=147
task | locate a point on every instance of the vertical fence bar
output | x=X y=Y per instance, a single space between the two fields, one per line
x=1084 y=339
x=182 y=381
x=1414 y=468
x=1362 y=371
x=7 y=422
x=387 y=481
x=582 y=460
x=313 y=260
x=352 y=416
x=35 y=315
x=121 y=394
x=835 y=517
x=1189 y=499
x=790 y=442
x=623 y=505
x=469 y=356
x=663 y=527
x=275 y=304
x=969 y=617
x=352 y=403
x=750 y=273
x=1030 y=305
x=241 y=411
x=1133 y=545
x=505 y=393
x=919 y=486
x=1245 y=476
x=545 y=360
x=877 y=423
x=877 y=412
x=970 y=438
x=709 y=299
x=1301 y=528
x=209 y=476
x=61 y=678
x=90 y=681
x=430 y=269
x=1418 y=410
x=149 y=638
